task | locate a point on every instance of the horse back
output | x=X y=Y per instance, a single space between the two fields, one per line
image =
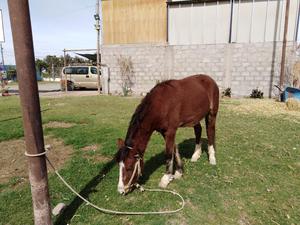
x=185 y=102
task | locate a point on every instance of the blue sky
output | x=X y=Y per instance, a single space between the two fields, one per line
x=56 y=24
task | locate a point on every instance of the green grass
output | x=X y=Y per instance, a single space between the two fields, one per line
x=256 y=180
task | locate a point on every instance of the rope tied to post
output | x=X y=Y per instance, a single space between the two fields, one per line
x=108 y=211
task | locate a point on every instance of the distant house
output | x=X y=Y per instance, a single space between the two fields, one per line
x=238 y=42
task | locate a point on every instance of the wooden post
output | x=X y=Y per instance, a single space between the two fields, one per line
x=33 y=132
x=283 y=54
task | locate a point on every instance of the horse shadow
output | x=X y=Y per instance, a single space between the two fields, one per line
x=89 y=188
x=186 y=150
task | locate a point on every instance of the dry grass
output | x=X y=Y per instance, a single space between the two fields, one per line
x=293 y=104
x=14 y=163
x=56 y=124
x=265 y=107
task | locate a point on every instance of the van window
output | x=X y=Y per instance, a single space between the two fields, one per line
x=81 y=70
x=68 y=70
x=76 y=70
x=93 y=70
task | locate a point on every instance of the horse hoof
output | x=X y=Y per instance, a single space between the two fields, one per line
x=212 y=161
x=196 y=156
x=177 y=175
x=165 y=180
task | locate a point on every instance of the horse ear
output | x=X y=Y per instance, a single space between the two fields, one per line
x=120 y=143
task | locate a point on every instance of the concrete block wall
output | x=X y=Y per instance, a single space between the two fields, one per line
x=242 y=67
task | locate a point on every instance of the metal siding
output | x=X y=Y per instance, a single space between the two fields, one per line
x=198 y=23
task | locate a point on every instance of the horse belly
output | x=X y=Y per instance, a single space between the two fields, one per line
x=191 y=121
x=191 y=113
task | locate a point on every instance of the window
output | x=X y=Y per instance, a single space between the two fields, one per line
x=93 y=70
x=81 y=70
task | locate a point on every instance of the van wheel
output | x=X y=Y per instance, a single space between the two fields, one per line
x=70 y=86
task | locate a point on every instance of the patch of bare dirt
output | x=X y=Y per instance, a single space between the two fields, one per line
x=90 y=148
x=244 y=220
x=14 y=163
x=90 y=153
x=57 y=124
x=76 y=93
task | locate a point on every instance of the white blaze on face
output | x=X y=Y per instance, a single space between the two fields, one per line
x=121 y=183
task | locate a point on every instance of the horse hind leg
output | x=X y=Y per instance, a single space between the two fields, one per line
x=210 y=121
x=198 y=150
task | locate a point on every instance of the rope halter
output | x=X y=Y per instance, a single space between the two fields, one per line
x=137 y=169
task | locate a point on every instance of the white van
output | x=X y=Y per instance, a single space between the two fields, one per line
x=79 y=77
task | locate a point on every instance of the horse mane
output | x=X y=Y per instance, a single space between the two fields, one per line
x=137 y=118
x=141 y=111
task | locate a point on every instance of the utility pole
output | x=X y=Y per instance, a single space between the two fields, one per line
x=286 y=24
x=52 y=71
x=2 y=57
x=2 y=80
x=31 y=111
x=97 y=27
x=65 y=64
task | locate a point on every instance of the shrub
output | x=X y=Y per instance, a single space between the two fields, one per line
x=256 y=93
x=226 y=93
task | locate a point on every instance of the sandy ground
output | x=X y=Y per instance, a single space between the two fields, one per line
x=52 y=89
x=14 y=163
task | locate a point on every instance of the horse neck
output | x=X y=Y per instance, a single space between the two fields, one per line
x=141 y=138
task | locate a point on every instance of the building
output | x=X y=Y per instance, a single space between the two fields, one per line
x=238 y=42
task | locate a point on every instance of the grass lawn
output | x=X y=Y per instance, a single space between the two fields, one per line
x=256 y=180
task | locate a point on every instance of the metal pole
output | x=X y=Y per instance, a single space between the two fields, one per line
x=231 y=21
x=297 y=22
x=2 y=57
x=237 y=21
x=97 y=26
x=2 y=80
x=266 y=20
x=52 y=71
x=65 y=64
x=251 y=23
x=33 y=132
x=286 y=24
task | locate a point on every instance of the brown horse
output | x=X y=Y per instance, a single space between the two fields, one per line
x=169 y=105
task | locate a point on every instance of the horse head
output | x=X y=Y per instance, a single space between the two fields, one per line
x=130 y=166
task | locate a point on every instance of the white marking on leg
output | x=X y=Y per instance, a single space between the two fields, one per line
x=121 y=189
x=165 y=180
x=197 y=153
x=211 y=155
x=177 y=174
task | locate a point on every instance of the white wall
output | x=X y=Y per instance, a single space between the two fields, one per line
x=253 y=21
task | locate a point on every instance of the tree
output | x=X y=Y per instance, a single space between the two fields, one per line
x=40 y=65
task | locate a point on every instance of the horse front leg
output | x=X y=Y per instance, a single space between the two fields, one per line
x=178 y=165
x=169 y=155
x=198 y=150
